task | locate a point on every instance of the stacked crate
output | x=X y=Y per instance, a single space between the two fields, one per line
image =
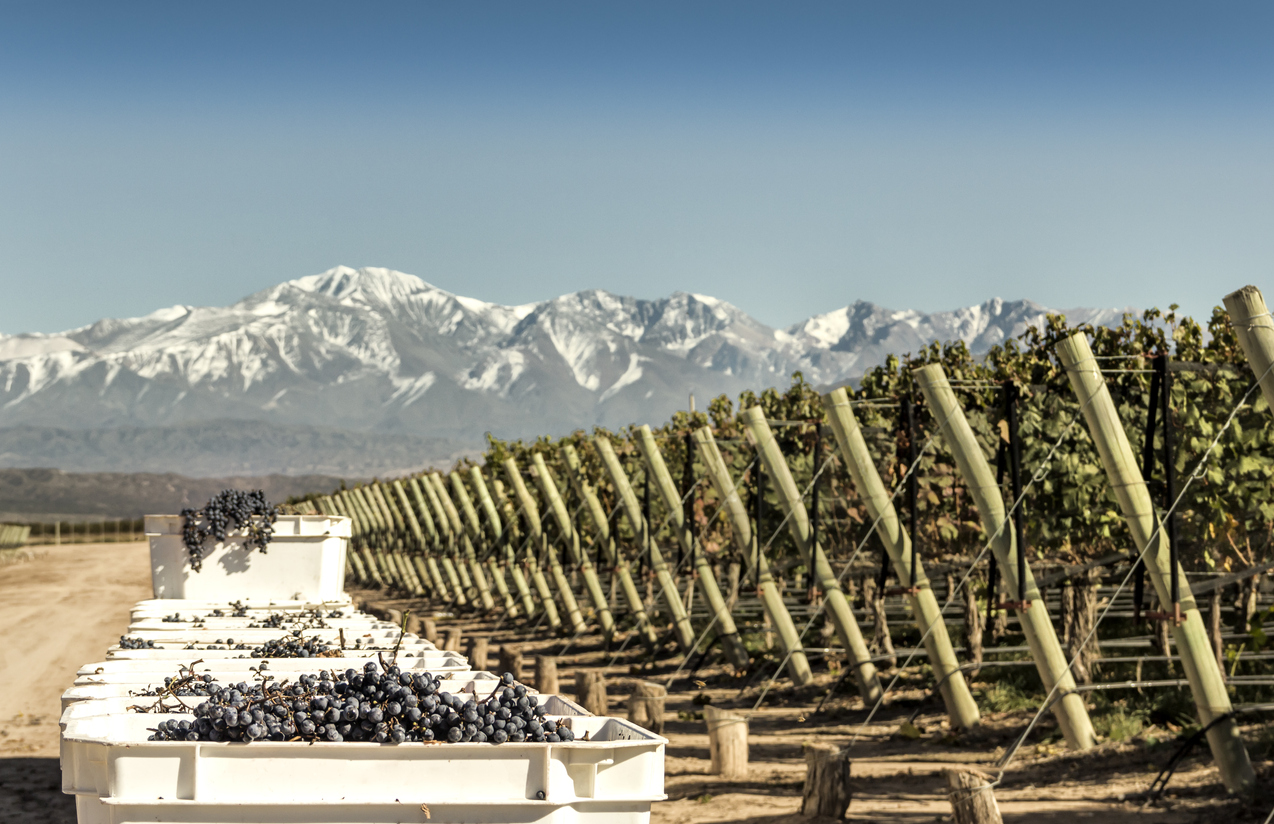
x=612 y=770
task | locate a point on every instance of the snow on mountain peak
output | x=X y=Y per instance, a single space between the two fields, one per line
x=374 y=348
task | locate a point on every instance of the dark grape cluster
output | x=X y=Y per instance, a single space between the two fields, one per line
x=291 y=646
x=237 y=610
x=229 y=509
x=175 y=618
x=389 y=706
x=135 y=643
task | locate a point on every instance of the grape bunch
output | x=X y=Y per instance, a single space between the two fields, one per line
x=389 y=706
x=135 y=643
x=238 y=610
x=229 y=509
x=175 y=618
x=293 y=646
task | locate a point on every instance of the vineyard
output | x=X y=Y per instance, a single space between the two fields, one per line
x=1072 y=530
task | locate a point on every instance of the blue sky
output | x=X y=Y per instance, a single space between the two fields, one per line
x=787 y=157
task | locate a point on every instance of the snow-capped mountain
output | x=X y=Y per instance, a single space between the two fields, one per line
x=378 y=350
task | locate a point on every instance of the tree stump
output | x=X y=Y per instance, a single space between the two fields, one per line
x=727 y=742
x=546 y=675
x=478 y=646
x=511 y=661
x=429 y=630
x=972 y=799
x=972 y=624
x=414 y=626
x=646 y=706
x=882 y=643
x=453 y=641
x=395 y=617
x=590 y=691
x=1082 y=593
x=827 y=791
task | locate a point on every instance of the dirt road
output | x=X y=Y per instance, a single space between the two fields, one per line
x=58 y=612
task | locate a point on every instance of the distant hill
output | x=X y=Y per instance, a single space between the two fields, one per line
x=43 y=494
x=201 y=449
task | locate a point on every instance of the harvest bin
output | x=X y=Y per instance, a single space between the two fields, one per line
x=305 y=561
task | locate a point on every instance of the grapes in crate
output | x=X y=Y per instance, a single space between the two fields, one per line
x=228 y=511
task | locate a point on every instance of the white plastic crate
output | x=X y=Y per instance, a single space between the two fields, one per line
x=481 y=690
x=260 y=636
x=109 y=756
x=93 y=810
x=231 y=624
x=478 y=682
x=421 y=659
x=167 y=606
x=178 y=653
x=224 y=671
x=305 y=561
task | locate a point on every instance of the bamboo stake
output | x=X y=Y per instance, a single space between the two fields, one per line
x=962 y=710
x=436 y=492
x=531 y=513
x=731 y=644
x=682 y=629
x=464 y=545
x=432 y=546
x=1206 y=681
x=471 y=535
x=570 y=538
x=575 y=471
x=798 y=665
x=798 y=524
x=1254 y=328
x=519 y=580
x=1041 y=637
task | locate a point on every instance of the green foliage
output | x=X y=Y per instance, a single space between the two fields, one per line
x=1226 y=517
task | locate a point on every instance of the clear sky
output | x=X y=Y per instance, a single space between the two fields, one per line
x=787 y=157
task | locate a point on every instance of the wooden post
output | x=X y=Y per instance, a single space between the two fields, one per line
x=972 y=798
x=429 y=630
x=531 y=513
x=1032 y=612
x=776 y=612
x=798 y=525
x=546 y=675
x=683 y=631
x=962 y=710
x=882 y=643
x=465 y=542
x=511 y=661
x=727 y=742
x=733 y=576
x=478 y=646
x=1206 y=681
x=590 y=691
x=621 y=572
x=700 y=568
x=646 y=706
x=827 y=789
x=570 y=538
x=972 y=624
x=453 y=640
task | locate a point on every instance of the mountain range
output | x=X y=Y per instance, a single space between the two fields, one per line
x=379 y=364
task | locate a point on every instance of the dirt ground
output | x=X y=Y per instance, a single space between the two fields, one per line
x=65 y=607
